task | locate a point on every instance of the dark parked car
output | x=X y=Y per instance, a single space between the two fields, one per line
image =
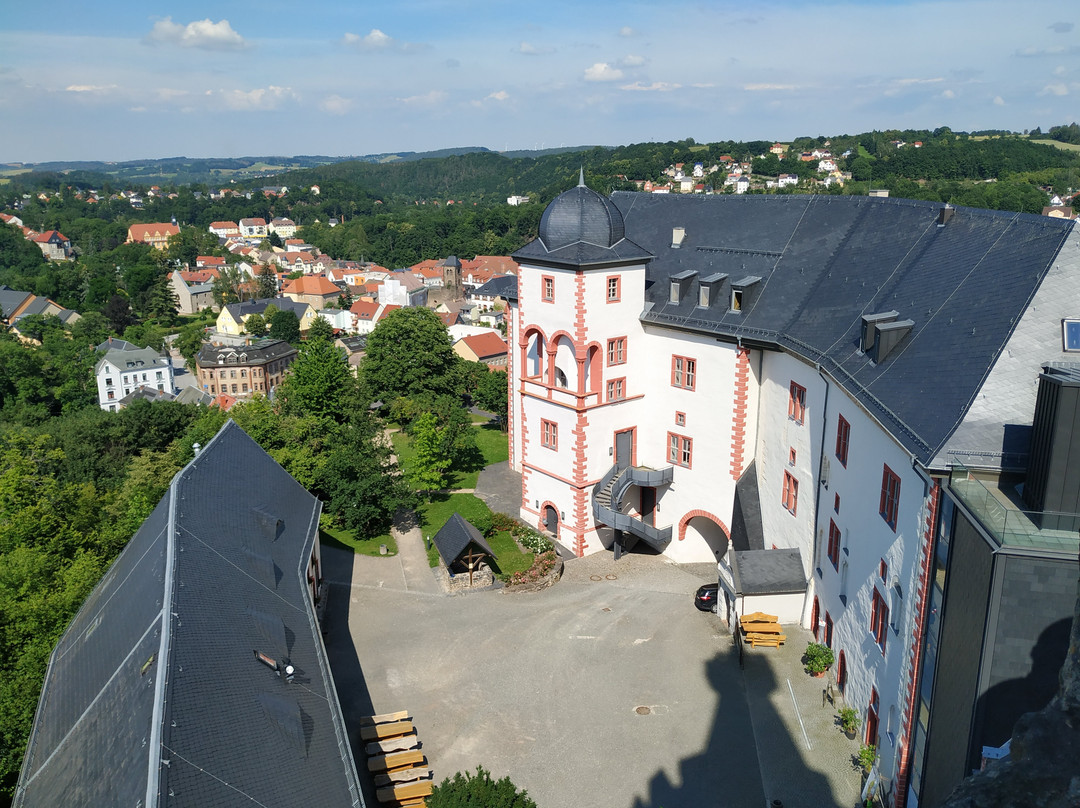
x=705 y=598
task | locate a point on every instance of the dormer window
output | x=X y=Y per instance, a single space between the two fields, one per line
x=680 y=283
x=736 y=299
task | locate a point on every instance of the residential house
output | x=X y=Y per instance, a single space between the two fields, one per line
x=341 y=320
x=232 y=318
x=742 y=184
x=14 y=305
x=315 y=290
x=366 y=315
x=285 y=228
x=192 y=297
x=1059 y=212
x=354 y=346
x=54 y=245
x=243 y=371
x=516 y=200
x=403 y=289
x=253 y=228
x=124 y=367
x=787 y=180
x=772 y=398
x=156 y=234
x=487 y=348
x=195 y=673
x=216 y=262
x=225 y=229
x=486 y=297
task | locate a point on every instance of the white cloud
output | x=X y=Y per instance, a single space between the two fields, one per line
x=202 y=34
x=1059 y=70
x=169 y=94
x=768 y=87
x=427 y=99
x=377 y=40
x=602 y=71
x=261 y=98
x=999 y=101
x=948 y=94
x=632 y=60
x=90 y=88
x=1055 y=89
x=530 y=49
x=499 y=95
x=626 y=30
x=908 y=82
x=335 y=104
x=656 y=86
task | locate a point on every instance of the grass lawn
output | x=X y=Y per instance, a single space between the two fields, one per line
x=433 y=515
x=337 y=537
x=491 y=445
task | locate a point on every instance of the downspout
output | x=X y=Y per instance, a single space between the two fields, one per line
x=814 y=567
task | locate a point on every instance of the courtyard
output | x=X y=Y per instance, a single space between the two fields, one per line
x=608 y=689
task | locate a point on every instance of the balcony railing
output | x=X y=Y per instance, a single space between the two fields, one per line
x=997 y=507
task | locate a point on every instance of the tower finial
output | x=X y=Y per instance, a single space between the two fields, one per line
x=581 y=177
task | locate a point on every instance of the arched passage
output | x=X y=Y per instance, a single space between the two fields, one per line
x=708 y=528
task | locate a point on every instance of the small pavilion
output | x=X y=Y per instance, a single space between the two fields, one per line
x=461 y=546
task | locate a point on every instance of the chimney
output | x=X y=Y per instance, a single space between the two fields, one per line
x=944 y=214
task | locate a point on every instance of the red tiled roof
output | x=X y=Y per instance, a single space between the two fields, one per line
x=145 y=232
x=311 y=285
x=486 y=346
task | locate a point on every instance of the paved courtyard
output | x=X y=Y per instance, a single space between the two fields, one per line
x=608 y=689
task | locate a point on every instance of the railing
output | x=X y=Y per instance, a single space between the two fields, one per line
x=1007 y=522
x=613 y=485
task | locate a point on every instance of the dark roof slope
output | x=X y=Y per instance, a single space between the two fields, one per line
x=455 y=536
x=824 y=262
x=504 y=286
x=153 y=696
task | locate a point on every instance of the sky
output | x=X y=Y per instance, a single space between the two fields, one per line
x=136 y=79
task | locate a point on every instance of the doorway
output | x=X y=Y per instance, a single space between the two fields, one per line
x=551 y=520
x=624 y=448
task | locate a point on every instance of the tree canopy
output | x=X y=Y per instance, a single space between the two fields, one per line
x=408 y=355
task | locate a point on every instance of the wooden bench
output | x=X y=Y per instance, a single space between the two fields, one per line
x=385 y=718
x=760 y=617
x=406 y=791
x=402 y=776
x=398 y=744
x=762 y=628
x=395 y=761
x=773 y=640
x=420 y=802
x=377 y=732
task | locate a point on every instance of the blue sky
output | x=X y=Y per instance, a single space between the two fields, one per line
x=122 y=80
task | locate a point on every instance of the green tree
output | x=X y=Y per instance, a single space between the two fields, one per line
x=478 y=791
x=408 y=354
x=321 y=330
x=284 y=324
x=265 y=282
x=118 y=313
x=255 y=325
x=427 y=469
x=492 y=393
x=319 y=381
x=189 y=341
x=229 y=286
x=92 y=327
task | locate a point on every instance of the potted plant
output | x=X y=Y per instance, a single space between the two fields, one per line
x=867 y=755
x=849 y=721
x=818 y=658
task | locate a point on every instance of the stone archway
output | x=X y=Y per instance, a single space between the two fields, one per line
x=704 y=526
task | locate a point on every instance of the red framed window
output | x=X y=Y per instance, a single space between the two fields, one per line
x=547 y=286
x=841 y=672
x=828 y=629
x=879 y=619
x=890 y=497
x=791 y=457
x=883 y=570
x=791 y=493
x=796 y=408
x=843 y=436
x=683 y=372
x=680 y=450
x=616 y=351
x=814 y=615
x=872 y=718
x=549 y=434
x=614 y=288
x=836 y=503
x=680 y=418
x=616 y=389
x=834 y=545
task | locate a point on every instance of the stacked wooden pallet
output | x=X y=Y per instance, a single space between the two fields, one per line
x=759 y=628
x=394 y=757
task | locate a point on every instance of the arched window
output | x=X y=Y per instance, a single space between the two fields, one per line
x=814 y=614
x=841 y=672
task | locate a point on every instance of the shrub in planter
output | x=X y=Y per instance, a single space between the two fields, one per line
x=866 y=757
x=849 y=720
x=817 y=658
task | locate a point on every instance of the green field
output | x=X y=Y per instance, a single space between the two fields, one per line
x=338 y=537
x=491 y=444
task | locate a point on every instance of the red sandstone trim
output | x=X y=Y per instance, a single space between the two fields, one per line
x=739 y=413
x=692 y=514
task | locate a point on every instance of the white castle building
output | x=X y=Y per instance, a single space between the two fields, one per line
x=822 y=395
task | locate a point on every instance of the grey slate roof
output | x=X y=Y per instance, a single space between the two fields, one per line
x=153 y=696
x=770 y=572
x=239 y=311
x=824 y=262
x=147 y=393
x=455 y=536
x=193 y=395
x=265 y=350
x=504 y=286
x=10 y=300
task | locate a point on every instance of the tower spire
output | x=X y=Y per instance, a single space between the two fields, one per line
x=581 y=177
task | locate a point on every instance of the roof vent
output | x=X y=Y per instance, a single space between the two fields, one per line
x=888 y=336
x=680 y=284
x=944 y=214
x=677 y=236
x=869 y=327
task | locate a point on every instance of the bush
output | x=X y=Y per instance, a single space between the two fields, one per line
x=866 y=757
x=478 y=790
x=818 y=657
x=849 y=719
x=530 y=539
x=542 y=564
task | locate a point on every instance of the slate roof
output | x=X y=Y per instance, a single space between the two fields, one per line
x=504 y=286
x=455 y=537
x=824 y=262
x=770 y=572
x=239 y=311
x=153 y=696
x=258 y=353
